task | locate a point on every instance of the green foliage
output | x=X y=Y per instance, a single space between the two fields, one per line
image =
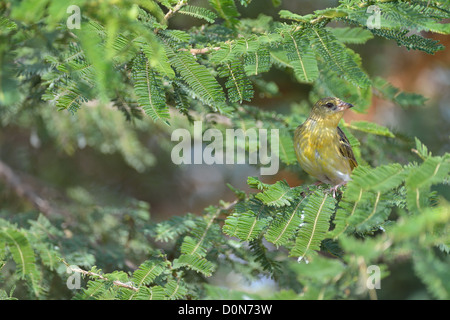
x=300 y=56
x=199 y=13
x=67 y=84
x=354 y=35
x=337 y=57
x=20 y=250
x=25 y=247
x=370 y=127
x=314 y=226
x=304 y=44
x=238 y=85
x=148 y=86
x=202 y=83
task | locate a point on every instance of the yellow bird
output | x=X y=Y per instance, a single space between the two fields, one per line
x=321 y=146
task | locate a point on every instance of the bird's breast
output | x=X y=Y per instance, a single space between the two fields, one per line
x=317 y=150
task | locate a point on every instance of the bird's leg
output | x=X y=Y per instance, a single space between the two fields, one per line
x=335 y=188
x=333 y=191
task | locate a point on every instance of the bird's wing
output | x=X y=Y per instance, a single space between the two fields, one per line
x=346 y=149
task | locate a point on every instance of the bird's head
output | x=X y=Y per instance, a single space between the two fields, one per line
x=329 y=106
x=329 y=110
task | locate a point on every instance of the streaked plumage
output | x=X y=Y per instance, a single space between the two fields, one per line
x=321 y=146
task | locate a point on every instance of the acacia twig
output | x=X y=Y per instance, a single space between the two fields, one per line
x=99 y=276
x=14 y=182
x=31 y=190
x=172 y=11
x=203 y=50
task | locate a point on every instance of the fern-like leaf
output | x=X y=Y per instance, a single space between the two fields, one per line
x=349 y=35
x=279 y=194
x=370 y=127
x=227 y=10
x=238 y=85
x=432 y=171
x=156 y=56
x=147 y=272
x=286 y=14
x=348 y=208
x=255 y=183
x=198 y=12
x=95 y=289
x=197 y=77
x=7 y=25
x=301 y=57
x=71 y=100
x=421 y=149
x=412 y=42
x=261 y=254
x=316 y=223
x=149 y=90
x=337 y=57
x=197 y=242
x=246 y=226
x=433 y=271
x=194 y=262
x=257 y=62
x=328 y=84
x=285 y=224
x=412 y=17
x=372 y=212
x=21 y=251
x=156 y=293
x=404 y=99
x=363 y=205
x=175 y=289
x=380 y=179
x=97 y=55
x=170 y=229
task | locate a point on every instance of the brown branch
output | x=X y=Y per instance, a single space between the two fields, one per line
x=171 y=12
x=200 y=50
x=13 y=180
x=203 y=50
x=96 y=275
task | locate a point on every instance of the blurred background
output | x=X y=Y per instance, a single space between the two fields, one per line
x=93 y=166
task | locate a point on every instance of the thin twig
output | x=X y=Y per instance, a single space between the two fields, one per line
x=171 y=12
x=202 y=50
x=418 y=153
x=24 y=191
x=93 y=274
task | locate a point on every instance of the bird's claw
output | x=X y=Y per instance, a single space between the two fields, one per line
x=334 y=189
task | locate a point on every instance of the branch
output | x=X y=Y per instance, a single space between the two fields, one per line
x=93 y=274
x=13 y=180
x=172 y=11
x=202 y=50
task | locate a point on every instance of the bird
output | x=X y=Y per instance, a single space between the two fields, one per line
x=321 y=147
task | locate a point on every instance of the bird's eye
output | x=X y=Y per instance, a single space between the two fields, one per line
x=329 y=105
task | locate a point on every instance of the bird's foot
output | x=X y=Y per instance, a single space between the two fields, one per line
x=334 y=189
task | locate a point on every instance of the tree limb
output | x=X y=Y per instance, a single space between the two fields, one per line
x=96 y=275
x=13 y=180
x=172 y=11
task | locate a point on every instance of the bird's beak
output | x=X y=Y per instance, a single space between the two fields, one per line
x=344 y=106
